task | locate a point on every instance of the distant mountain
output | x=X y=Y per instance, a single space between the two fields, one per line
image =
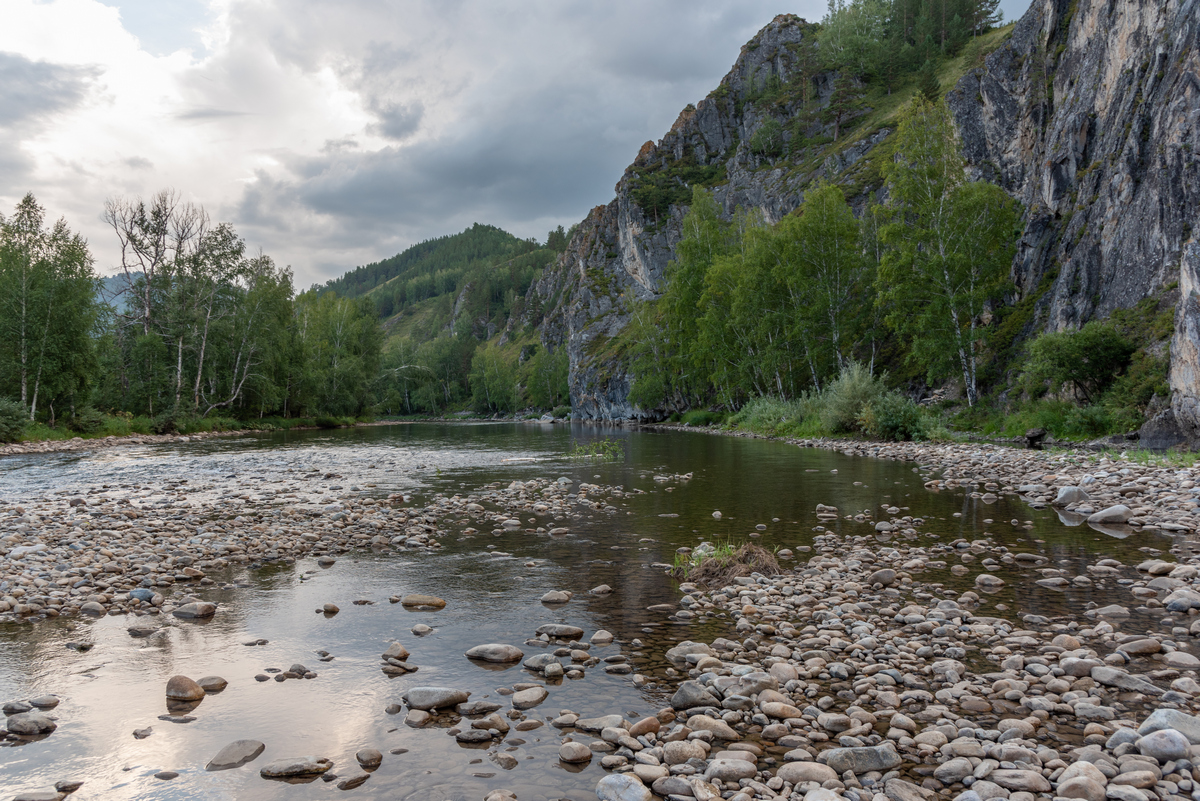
x=478 y=273
x=113 y=290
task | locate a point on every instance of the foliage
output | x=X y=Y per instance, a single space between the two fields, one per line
x=86 y=420
x=701 y=417
x=544 y=376
x=561 y=412
x=891 y=416
x=605 y=449
x=716 y=566
x=1088 y=360
x=12 y=420
x=657 y=187
x=949 y=244
x=767 y=139
x=48 y=310
x=843 y=401
x=493 y=380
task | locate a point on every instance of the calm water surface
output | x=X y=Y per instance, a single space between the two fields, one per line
x=118 y=686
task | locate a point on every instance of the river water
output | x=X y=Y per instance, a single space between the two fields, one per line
x=117 y=686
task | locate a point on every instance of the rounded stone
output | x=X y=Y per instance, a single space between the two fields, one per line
x=496 y=652
x=1164 y=745
x=574 y=753
x=181 y=688
x=799 y=772
x=427 y=601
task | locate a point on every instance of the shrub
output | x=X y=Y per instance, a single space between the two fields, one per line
x=700 y=417
x=329 y=422
x=774 y=417
x=561 y=411
x=843 y=401
x=12 y=420
x=767 y=140
x=891 y=417
x=164 y=423
x=1088 y=360
x=86 y=421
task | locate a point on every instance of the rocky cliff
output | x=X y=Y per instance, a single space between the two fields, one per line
x=1088 y=114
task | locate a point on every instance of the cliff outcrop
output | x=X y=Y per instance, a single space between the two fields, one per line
x=1088 y=114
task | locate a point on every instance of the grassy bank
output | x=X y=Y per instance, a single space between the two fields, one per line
x=106 y=425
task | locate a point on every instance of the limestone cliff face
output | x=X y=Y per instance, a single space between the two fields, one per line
x=619 y=252
x=1089 y=114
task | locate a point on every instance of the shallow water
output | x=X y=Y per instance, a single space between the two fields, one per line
x=118 y=686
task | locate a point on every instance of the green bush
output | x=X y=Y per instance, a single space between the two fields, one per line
x=843 y=401
x=774 y=417
x=12 y=420
x=561 y=411
x=768 y=139
x=1088 y=360
x=891 y=417
x=700 y=417
x=329 y=422
x=86 y=421
x=164 y=423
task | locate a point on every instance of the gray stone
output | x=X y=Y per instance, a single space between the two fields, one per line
x=863 y=759
x=1115 y=677
x=1159 y=719
x=496 y=652
x=692 y=694
x=291 y=767
x=1164 y=745
x=954 y=770
x=797 y=772
x=30 y=724
x=730 y=770
x=236 y=754
x=434 y=697
x=196 y=610
x=1023 y=781
x=1068 y=496
x=1113 y=514
x=561 y=631
x=574 y=753
x=527 y=699
x=622 y=787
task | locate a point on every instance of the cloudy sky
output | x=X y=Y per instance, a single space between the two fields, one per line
x=335 y=134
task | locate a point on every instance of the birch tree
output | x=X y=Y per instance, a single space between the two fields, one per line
x=950 y=243
x=48 y=308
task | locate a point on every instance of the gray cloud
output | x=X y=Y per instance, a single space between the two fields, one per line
x=522 y=115
x=31 y=93
x=33 y=90
x=208 y=114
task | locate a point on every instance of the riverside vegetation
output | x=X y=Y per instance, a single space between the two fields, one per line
x=195 y=335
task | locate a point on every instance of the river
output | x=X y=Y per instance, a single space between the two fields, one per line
x=766 y=492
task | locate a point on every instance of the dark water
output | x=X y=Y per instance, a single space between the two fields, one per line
x=118 y=686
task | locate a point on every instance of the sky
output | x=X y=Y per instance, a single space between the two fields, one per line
x=336 y=134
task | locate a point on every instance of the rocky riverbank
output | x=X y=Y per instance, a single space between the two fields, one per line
x=81 y=444
x=149 y=549
x=857 y=675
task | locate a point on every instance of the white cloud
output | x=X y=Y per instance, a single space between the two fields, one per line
x=332 y=134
